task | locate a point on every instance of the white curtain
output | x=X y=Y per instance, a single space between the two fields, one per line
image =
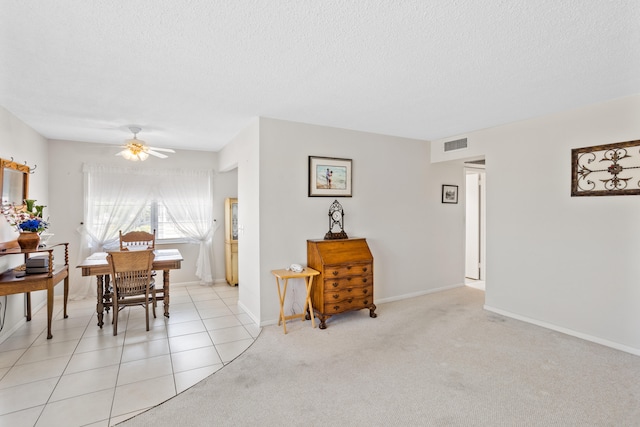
x=115 y=196
x=190 y=208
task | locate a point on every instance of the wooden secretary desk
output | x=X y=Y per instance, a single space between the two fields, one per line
x=345 y=282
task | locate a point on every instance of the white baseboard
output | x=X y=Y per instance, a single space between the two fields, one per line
x=249 y=313
x=586 y=337
x=417 y=294
x=34 y=309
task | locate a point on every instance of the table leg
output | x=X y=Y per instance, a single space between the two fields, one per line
x=100 y=305
x=165 y=291
x=28 y=297
x=281 y=295
x=66 y=296
x=308 y=305
x=49 y=309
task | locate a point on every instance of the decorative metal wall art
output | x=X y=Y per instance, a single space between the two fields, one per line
x=606 y=170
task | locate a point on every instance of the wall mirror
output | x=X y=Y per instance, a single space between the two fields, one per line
x=14 y=181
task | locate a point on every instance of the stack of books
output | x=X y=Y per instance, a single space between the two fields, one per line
x=38 y=264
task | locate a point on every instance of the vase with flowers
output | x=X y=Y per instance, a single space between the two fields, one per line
x=28 y=221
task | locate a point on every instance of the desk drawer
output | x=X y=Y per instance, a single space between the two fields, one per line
x=348 y=270
x=347 y=305
x=337 y=283
x=347 y=293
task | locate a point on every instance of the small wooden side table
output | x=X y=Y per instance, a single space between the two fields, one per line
x=284 y=275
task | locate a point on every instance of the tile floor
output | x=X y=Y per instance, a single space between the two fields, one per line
x=86 y=376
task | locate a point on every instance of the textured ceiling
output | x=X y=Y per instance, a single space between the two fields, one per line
x=193 y=73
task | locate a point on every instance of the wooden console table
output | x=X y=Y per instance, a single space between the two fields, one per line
x=13 y=283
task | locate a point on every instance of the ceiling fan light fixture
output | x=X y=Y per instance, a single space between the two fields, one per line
x=137 y=150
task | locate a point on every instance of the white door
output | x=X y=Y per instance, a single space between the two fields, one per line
x=472 y=245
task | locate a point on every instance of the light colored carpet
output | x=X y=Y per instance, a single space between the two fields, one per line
x=434 y=360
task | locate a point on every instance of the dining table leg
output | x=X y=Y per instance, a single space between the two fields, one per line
x=165 y=291
x=100 y=305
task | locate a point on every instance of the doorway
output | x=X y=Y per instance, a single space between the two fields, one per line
x=475 y=199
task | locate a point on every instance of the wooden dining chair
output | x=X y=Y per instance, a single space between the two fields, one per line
x=137 y=240
x=131 y=281
x=140 y=240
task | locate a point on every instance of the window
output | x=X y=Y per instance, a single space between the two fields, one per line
x=177 y=203
x=154 y=216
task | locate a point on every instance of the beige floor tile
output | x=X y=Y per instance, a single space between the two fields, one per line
x=186 y=379
x=9 y=358
x=24 y=418
x=177 y=307
x=145 y=349
x=80 y=410
x=30 y=372
x=100 y=342
x=61 y=334
x=184 y=328
x=26 y=396
x=227 y=293
x=208 y=313
x=234 y=333
x=16 y=342
x=142 y=394
x=231 y=350
x=244 y=318
x=189 y=342
x=93 y=330
x=253 y=329
x=94 y=359
x=200 y=290
x=185 y=316
x=221 y=322
x=48 y=350
x=120 y=418
x=70 y=322
x=194 y=359
x=208 y=304
x=140 y=370
x=80 y=383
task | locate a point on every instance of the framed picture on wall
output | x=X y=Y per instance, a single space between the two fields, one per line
x=449 y=193
x=329 y=177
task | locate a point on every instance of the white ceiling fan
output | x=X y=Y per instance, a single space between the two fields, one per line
x=136 y=149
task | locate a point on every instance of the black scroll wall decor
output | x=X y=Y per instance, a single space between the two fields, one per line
x=606 y=170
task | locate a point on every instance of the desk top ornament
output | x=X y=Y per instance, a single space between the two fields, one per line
x=336 y=221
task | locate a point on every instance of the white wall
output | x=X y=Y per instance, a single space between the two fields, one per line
x=66 y=195
x=567 y=263
x=19 y=141
x=243 y=153
x=417 y=242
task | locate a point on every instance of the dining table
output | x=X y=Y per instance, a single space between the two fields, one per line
x=96 y=265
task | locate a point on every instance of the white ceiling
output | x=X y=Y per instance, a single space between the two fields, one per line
x=193 y=73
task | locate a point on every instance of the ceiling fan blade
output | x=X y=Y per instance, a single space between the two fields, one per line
x=168 y=150
x=155 y=153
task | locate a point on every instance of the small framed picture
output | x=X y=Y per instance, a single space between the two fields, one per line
x=449 y=193
x=329 y=177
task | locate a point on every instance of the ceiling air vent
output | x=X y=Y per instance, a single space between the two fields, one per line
x=458 y=144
